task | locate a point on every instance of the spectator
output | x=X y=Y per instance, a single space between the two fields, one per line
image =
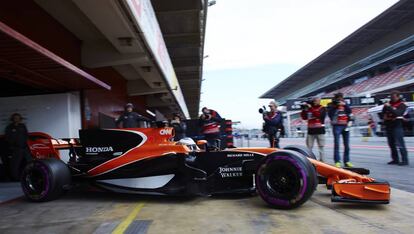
x=179 y=127
x=273 y=126
x=393 y=112
x=340 y=114
x=315 y=114
x=129 y=118
x=372 y=129
x=16 y=137
x=210 y=122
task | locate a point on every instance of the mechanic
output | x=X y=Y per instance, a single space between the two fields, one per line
x=129 y=118
x=392 y=113
x=315 y=114
x=16 y=137
x=273 y=125
x=179 y=127
x=340 y=114
x=210 y=122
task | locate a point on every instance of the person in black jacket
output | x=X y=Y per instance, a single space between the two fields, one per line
x=273 y=125
x=16 y=137
x=129 y=118
x=392 y=113
x=179 y=127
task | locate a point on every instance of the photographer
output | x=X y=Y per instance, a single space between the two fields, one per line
x=340 y=114
x=392 y=113
x=273 y=126
x=315 y=114
x=210 y=122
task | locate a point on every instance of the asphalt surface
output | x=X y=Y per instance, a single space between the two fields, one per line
x=371 y=153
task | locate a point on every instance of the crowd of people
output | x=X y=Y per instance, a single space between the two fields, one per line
x=340 y=115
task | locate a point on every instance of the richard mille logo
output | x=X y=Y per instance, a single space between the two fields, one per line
x=94 y=150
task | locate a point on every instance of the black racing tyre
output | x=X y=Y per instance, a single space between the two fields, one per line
x=45 y=180
x=302 y=150
x=285 y=179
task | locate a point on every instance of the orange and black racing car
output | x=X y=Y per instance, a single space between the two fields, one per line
x=147 y=161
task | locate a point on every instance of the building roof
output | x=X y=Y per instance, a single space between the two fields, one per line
x=399 y=14
x=182 y=23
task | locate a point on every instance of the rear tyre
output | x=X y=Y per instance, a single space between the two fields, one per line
x=45 y=180
x=302 y=150
x=285 y=179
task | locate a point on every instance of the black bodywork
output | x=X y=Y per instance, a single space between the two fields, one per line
x=196 y=173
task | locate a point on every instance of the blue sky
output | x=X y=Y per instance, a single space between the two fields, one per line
x=253 y=45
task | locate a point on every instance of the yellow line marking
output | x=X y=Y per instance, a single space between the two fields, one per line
x=120 y=229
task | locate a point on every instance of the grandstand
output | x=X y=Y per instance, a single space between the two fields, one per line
x=375 y=59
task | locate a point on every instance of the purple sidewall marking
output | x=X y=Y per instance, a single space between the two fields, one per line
x=45 y=172
x=281 y=202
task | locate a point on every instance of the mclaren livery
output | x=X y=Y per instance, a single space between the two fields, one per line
x=147 y=161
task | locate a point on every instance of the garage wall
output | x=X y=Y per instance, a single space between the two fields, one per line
x=56 y=114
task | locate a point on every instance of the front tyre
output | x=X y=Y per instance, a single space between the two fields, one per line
x=285 y=179
x=45 y=180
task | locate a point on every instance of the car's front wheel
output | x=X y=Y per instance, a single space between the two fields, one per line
x=285 y=179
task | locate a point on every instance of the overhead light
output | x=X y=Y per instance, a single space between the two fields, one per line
x=146 y=68
x=151 y=113
x=212 y=3
x=125 y=41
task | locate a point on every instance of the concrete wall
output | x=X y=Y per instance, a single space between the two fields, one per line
x=56 y=114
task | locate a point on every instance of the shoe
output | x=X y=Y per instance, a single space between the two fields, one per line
x=338 y=165
x=392 y=162
x=403 y=164
x=349 y=164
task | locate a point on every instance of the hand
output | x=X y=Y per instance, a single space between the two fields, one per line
x=387 y=104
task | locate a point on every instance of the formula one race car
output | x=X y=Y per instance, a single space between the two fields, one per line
x=147 y=161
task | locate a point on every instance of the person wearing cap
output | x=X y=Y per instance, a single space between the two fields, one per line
x=340 y=114
x=315 y=114
x=179 y=127
x=210 y=122
x=392 y=114
x=273 y=124
x=16 y=137
x=130 y=119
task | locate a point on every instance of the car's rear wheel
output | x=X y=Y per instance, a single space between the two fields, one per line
x=285 y=179
x=45 y=180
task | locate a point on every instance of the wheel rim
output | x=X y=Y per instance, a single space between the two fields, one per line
x=283 y=180
x=36 y=182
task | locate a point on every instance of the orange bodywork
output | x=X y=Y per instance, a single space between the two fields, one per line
x=157 y=143
x=351 y=185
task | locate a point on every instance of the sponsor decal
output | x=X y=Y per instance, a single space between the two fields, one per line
x=95 y=150
x=240 y=155
x=166 y=131
x=226 y=172
x=40 y=146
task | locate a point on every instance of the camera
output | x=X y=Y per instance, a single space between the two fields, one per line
x=263 y=110
x=305 y=105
